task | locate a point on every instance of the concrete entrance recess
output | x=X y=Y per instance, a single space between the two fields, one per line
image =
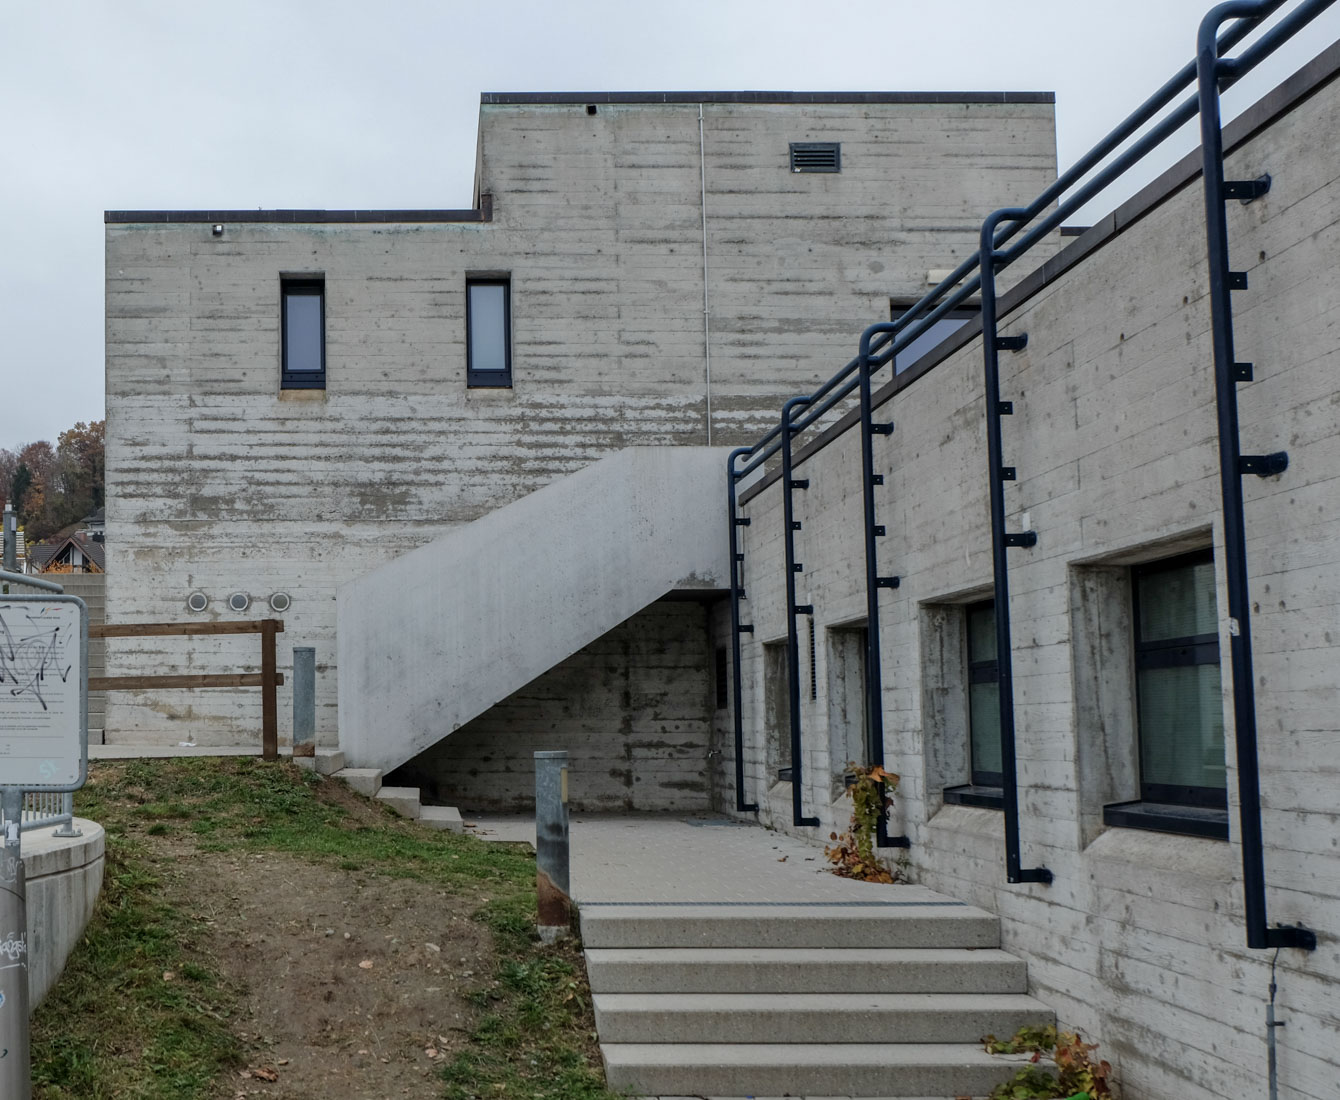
x=725 y=961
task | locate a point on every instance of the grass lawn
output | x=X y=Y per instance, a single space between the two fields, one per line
x=148 y=1005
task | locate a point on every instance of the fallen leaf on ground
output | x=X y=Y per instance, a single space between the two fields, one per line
x=265 y=1073
x=366 y=964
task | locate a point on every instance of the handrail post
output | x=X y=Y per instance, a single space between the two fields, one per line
x=998 y=475
x=269 y=694
x=792 y=610
x=736 y=595
x=1210 y=69
x=874 y=582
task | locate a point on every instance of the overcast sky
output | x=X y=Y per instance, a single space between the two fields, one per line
x=281 y=103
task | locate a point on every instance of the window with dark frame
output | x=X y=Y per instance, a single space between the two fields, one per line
x=1179 y=706
x=982 y=710
x=488 y=332
x=1180 y=711
x=983 y=695
x=940 y=330
x=303 y=333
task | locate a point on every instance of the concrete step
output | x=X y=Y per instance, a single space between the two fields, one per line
x=404 y=800
x=803 y=970
x=838 y=924
x=805 y=1069
x=813 y=1017
x=444 y=818
x=366 y=781
x=329 y=761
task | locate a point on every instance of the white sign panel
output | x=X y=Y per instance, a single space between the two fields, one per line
x=43 y=692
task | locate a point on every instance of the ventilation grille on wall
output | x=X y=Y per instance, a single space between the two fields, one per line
x=816 y=156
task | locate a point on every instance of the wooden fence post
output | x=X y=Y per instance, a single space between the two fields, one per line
x=269 y=699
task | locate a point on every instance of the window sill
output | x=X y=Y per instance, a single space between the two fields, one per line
x=1161 y=817
x=971 y=794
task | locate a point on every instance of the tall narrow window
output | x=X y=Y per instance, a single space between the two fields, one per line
x=488 y=332
x=984 y=696
x=1180 y=710
x=303 y=328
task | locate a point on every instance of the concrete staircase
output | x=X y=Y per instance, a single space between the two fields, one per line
x=832 y=999
x=437 y=636
x=404 y=800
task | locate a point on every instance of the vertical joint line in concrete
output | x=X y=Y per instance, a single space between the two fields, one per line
x=707 y=313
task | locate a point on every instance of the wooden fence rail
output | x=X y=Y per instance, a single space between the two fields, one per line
x=268 y=679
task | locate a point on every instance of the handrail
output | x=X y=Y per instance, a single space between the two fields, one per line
x=881 y=343
x=1233 y=466
x=790 y=526
x=7 y=577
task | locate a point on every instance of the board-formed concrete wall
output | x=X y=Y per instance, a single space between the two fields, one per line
x=220 y=481
x=630 y=709
x=1140 y=940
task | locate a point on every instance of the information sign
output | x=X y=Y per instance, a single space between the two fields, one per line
x=43 y=692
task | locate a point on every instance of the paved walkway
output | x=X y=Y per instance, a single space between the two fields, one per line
x=715 y=860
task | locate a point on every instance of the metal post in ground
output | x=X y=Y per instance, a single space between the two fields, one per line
x=551 y=845
x=15 y=1075
x=304 y=701
x=11 y=540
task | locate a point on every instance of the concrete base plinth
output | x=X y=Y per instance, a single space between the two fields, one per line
x=64 y=879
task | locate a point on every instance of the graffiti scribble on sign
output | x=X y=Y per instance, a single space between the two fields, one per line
x=29 y=654
x=14 y=947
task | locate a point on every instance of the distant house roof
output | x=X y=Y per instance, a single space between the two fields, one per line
x=46 y=556
x=95 y=519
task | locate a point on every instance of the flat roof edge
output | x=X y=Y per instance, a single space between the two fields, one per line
x=558 y=98
x=294 y=217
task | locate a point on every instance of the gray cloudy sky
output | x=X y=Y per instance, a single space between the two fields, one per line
x=143 y=104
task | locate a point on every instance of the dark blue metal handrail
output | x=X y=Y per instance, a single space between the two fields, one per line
x=881 y=344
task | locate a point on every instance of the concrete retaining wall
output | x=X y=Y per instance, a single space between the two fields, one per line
x=1140 y=940
x=64 y=879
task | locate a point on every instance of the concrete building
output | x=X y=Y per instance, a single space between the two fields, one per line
x=644 y=270
x=540 y=564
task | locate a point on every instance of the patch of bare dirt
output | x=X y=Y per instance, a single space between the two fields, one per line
x=352 y=986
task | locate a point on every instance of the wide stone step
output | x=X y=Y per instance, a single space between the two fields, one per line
x=813 y=1017
x=805 y=1069
x=836 y=924
x=804 y=970
x=404 y=800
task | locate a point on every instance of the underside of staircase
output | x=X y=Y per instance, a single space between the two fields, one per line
x=813 y=999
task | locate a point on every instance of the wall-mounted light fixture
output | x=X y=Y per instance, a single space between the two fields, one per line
x=239 y=601
x=280 y=602
x=218 y=230
x=197 y=602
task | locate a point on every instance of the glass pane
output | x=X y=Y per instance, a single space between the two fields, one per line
x=1178 y=603
x=1182 y=726
x=927 y=340
x=982 y=633
x=984 y=721
x=302 y=332
x=488 y=330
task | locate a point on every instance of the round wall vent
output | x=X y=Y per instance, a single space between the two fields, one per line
x=280 y=602
x=239 y=601
x=197 y=601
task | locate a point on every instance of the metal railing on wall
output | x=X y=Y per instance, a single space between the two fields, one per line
x=1134 y=139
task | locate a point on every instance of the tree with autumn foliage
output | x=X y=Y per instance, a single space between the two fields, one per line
x=53 y=487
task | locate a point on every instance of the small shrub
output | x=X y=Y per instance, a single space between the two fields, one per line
x=853 y=853
x=1077 y=1076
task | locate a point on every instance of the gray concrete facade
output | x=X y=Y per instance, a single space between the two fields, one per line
x=663 y=259
x=1139 y=942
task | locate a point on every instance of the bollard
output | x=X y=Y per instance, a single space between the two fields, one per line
x=551 y=845
x=15 y=1075
x=304 y=701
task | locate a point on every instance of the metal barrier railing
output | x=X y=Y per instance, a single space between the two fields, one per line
x=42 y=809
x=880 y=344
